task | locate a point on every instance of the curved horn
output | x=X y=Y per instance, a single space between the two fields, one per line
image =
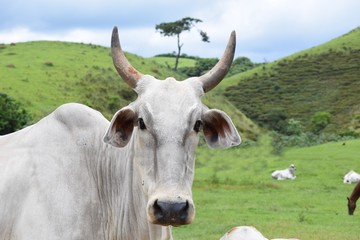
x=218 y=72
x=127 y=72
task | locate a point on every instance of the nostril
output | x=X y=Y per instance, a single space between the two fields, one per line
x=156 y=205
x=171 y=212
x=158 y=211
x=185 y=207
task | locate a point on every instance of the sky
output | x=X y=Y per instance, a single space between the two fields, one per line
x=266 y=30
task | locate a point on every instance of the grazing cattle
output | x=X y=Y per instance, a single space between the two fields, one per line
x=288 y=173
x=74 y=175
x=353 y=198
x=351 y=177
x=247 y=233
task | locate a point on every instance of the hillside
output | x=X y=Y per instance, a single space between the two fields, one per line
x=325 y=78
x=42 y=75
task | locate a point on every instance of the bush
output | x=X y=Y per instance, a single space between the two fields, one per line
x=202 y=65
x=320 y=120
x=275 y=120
x=12 y=116
x=294 y=127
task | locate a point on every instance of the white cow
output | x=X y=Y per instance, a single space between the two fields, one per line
x=74 y=175
x=243 y=233
x=288 y=173
x=247 y=233
x=351 y=177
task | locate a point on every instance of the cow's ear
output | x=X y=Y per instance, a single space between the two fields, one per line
x=219 y=130
x=121 y=128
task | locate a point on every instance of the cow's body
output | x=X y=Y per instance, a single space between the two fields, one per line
x=247 y=233
x=60 y=181
x=75 y=175
x=284 y=174
x=243 y=233
x=351 y=177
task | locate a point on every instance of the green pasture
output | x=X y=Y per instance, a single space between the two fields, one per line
x=233 y=187
x=170 y=62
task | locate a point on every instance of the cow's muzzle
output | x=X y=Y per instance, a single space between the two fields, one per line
x=171 y=212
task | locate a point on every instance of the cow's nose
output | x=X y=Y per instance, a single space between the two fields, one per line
x=171 y=213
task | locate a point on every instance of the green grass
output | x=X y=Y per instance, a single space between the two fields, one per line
x=170 y=61
x=234 y=187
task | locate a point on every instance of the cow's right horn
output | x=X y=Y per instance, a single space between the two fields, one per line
x=127 y=72
x=218 y=72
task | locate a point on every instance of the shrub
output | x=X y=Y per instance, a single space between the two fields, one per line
x=275 y=120
x=320 y=120
x=294 y=127
x=12 y=116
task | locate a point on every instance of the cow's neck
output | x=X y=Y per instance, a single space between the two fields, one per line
x=123 y=204
x=355 y=195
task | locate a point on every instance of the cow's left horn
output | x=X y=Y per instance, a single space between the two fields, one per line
x=127 y=72
x=218 y=72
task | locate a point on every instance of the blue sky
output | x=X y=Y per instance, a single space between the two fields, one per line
x=266 y=29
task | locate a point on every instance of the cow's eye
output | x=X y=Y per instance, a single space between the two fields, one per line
x=197 y=126
x=141 y=124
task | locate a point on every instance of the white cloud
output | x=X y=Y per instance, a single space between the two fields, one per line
x=21 y=34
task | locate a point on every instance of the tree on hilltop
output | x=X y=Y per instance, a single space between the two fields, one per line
x=170 y=29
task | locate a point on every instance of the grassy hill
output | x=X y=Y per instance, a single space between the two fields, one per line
x=325 y=78
x=42 y=75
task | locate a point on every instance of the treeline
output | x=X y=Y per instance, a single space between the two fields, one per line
x=202 y=65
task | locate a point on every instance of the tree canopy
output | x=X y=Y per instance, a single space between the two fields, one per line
x=170 y=29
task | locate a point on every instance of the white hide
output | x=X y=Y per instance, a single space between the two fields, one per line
x=247 y=233
x=59 y=180
x=288 y=173
x=351 y=177
x=243 y=233
x=75 y=175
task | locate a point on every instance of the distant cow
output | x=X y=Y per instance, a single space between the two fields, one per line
x=75 y=175
x=288 y=173
x=355 y=195
x=351 y=177
x=247 y=233
x=243 y=233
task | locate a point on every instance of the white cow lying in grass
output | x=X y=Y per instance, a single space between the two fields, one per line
x=288 y=173
x=247 y=233
x=351 y=177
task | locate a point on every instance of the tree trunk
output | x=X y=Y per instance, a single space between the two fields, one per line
x=178 y=53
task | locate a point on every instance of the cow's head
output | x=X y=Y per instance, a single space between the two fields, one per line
x=162 y=126
x=351 y=206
